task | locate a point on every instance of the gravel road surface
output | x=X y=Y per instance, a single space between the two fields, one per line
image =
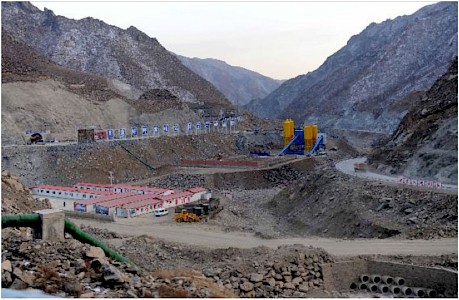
x=211 y=237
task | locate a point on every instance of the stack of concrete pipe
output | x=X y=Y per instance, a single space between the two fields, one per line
x=386 y=284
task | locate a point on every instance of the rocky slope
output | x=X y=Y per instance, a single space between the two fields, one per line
x=16 y=198
x=424 y=145
x=39 y=94
x=239 y=85
x=377 y=67
x=134 y=61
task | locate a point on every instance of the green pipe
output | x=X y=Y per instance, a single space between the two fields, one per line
x=33 y=221
x=84 y=237
x=25 y=220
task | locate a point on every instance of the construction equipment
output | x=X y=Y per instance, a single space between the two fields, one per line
x=305 y=141
x=198 y=211
x=35 y=138
x=360 y=167
x=186 y=216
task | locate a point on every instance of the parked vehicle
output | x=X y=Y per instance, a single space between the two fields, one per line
x=158 y=212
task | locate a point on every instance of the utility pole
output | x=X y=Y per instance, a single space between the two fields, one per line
x=111 y=178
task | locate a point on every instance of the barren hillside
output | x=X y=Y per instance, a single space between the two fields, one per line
x=424 y=145
x=39 y=94
x=381 y=65
x=129 y=57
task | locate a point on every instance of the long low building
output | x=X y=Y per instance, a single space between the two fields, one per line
x=122 y=200
x=124 y=188
x=89 y=205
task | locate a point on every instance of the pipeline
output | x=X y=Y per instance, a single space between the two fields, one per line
x=33 y=221
x=406 y=291
x=363 y=286
x=387 y=279
x=399 y=281
x=375 y=278
x=420 y=292
x=431 y=293
x=138 y=159
x=394 y=289
x=364 y=278
x=84 y=237
x=372 y=287
x=26 y=220
x=382 y=288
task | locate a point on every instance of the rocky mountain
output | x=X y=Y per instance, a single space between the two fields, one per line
x=39 y=94
x=384 y=63
x=239 y=85
x=424 y=145
x=135 y=62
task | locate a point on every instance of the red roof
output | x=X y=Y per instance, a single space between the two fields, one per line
x=142 y=203
x=141 y=188
x=70 y=189
x=123 y=201
x=92 y=185
x=196 y=190
x=175 y=196
x=106 y=198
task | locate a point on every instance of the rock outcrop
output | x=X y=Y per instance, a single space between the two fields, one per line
x=127 y=56
x=378 y=67
x=424 y=145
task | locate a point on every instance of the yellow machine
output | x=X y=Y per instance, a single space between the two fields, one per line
x=306 y=140
x=289 y=131
x=185 y=216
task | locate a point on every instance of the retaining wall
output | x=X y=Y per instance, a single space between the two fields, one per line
x=85 y=215
x=339 y=276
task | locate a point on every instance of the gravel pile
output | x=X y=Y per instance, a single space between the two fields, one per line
x=73 y=269
x=180 y=181
x=289 y=271
x=246 y=212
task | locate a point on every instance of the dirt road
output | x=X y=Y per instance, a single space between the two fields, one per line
x=206 y=236
x=347 y=166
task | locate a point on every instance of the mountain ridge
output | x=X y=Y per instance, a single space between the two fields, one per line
x=129 y=56
x=238 y=84
x=377 y=67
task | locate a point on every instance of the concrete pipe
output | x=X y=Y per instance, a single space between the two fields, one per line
x=353 y=286
x=375 y=278
x=420 y=292
x=382 y=288
x=399 y=281
x=407 y=291
x=431 y=293
x=394 y=289
x=387 y=279
x=363 y=286
x=373 y=287
x=364 y=278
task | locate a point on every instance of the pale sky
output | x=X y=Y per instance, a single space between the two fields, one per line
x=280 y=40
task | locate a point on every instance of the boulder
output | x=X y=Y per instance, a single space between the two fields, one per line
x=6 y=266
x=246 y=286
x=95 y=252
x=255 y=277
x=304 y=287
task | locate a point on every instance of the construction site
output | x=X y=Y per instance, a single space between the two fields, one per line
x=126 y=174
x=256 y=215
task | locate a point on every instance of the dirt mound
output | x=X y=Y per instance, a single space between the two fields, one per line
x=329 y=204
x=425 y=143
x=17 y=199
